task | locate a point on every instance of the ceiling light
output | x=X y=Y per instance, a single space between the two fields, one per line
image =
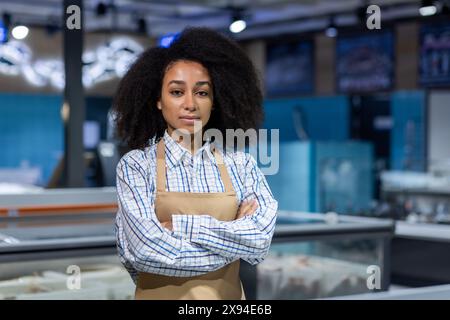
x=427 y=8
x=166 y=40
x=20 y=32
x=331 y=31
x=238 y=24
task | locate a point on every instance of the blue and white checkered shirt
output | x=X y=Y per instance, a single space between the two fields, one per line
x=198 y=243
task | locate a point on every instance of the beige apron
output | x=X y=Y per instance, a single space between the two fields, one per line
x=222 y=284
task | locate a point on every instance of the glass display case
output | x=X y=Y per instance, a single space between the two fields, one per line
x=326 y=176
x=70 y=256
x=322 y=255
x=60 y=244
x=73 y=256
x=440 y=292
x=420 y=202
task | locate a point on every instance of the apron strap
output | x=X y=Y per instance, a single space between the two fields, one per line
x=223 y=171
x=160 y=167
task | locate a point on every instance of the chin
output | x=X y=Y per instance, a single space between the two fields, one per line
x=188 y=129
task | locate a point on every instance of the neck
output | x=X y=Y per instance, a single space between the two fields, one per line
x=190 y=144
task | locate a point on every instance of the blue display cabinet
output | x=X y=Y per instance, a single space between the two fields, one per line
x=324 y=176
x=309 y=118
x=408 y=137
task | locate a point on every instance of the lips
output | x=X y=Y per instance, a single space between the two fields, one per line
x=190 y=118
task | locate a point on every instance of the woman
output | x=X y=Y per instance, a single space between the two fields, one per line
x=189 y=211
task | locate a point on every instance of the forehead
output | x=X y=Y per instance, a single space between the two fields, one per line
x=185 y=70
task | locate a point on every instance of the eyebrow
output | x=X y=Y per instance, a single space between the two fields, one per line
x=199 y=83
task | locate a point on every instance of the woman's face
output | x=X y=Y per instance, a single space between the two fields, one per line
x=186 y=96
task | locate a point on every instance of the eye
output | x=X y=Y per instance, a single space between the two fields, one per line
x=203 y=93
x=176 y=93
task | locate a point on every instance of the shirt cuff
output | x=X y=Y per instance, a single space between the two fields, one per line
x=186 y=226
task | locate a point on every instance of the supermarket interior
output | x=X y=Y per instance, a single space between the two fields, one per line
x=356 y=100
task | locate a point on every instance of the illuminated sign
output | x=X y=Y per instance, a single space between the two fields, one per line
x=434 y=67
x=108 y=61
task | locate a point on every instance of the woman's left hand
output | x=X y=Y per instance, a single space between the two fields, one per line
x=246 y=208
x=167 y=225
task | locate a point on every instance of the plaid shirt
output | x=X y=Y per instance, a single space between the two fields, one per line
x=198 y=243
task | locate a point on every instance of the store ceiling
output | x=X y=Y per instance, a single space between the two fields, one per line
x=265 y=17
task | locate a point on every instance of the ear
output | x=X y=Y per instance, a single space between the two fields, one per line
x=158 y=105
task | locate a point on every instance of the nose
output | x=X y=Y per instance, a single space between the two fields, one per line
x=188 y=103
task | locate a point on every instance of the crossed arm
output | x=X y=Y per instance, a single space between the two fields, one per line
x=146 y=245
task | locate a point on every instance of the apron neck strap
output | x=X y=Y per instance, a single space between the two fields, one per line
x=223 y=171
x=161 y=168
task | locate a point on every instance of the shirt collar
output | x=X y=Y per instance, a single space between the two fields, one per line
x=176 y=153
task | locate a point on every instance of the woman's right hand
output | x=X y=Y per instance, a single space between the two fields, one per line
x=247 y=208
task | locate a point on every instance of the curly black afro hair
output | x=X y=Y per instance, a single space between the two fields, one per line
x=236 y=87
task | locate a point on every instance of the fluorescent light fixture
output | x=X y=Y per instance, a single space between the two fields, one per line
x=20 y=32
x=102 y=64
x=31 y=75
x=238 y=26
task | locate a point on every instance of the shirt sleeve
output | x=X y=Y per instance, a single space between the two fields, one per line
x=247 y=238
x=143 y=243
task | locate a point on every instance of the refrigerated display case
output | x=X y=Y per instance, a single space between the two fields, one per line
x=60 y=244
x=71 y=257
x=326 y=176
x=439 y=292
x=317 y=255
x=312 y=256
x=420 y=202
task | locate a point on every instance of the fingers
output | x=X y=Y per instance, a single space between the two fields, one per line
x=167 y=225
x=247 y=208
x=244 y=208
x=252 y=207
